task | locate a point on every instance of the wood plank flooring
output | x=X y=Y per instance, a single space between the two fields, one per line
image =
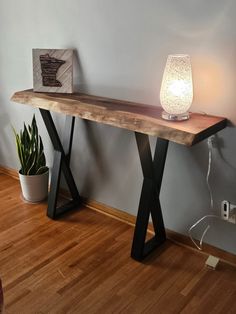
x=81 y=264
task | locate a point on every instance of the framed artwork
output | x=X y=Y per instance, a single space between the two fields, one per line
x=53 y=70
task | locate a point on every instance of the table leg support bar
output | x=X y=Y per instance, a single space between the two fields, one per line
x=149 y=201
x=60 y=164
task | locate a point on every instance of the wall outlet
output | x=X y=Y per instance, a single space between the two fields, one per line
x=228 y=211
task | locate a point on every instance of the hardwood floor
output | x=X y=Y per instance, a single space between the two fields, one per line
x=81 y=264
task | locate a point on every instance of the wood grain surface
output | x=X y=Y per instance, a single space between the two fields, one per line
x=131 y=219
x=123 y=114
x=81 y=264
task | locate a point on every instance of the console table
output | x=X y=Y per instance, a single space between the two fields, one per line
x=144 y=120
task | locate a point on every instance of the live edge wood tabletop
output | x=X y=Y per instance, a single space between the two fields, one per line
x=137 y=117
x=144 y=120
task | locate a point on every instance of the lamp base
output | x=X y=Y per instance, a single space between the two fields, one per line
x=175 y=117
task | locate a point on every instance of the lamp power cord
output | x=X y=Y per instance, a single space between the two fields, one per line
x=199 y=246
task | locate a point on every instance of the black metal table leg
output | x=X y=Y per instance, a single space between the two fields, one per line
x=149 y=200
x=60 y=164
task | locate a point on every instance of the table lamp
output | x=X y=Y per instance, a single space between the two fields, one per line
x=176 y=93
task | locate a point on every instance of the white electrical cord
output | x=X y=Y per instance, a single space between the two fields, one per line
x=204 y=232
x=210 y=145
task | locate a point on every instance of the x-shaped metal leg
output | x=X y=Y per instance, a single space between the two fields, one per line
x=149 y=201
x=61 y=164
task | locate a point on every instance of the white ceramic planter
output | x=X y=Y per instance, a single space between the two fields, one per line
x=34 y=188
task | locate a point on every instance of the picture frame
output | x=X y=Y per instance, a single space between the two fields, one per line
x=53 y=70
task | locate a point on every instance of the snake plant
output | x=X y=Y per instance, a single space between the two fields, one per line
x=30 y=150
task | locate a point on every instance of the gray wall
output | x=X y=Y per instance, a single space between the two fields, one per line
x=122 y=48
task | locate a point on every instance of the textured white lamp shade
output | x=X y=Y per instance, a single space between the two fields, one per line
x=176 y=93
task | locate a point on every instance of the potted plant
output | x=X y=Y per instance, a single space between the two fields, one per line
x=33 y=173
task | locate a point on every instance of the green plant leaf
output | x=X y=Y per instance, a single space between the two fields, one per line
x=42 y=170
x=29 y=147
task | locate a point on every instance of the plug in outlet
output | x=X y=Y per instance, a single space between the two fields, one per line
x=212 y=141
x=232 y=218
x=228 y=211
